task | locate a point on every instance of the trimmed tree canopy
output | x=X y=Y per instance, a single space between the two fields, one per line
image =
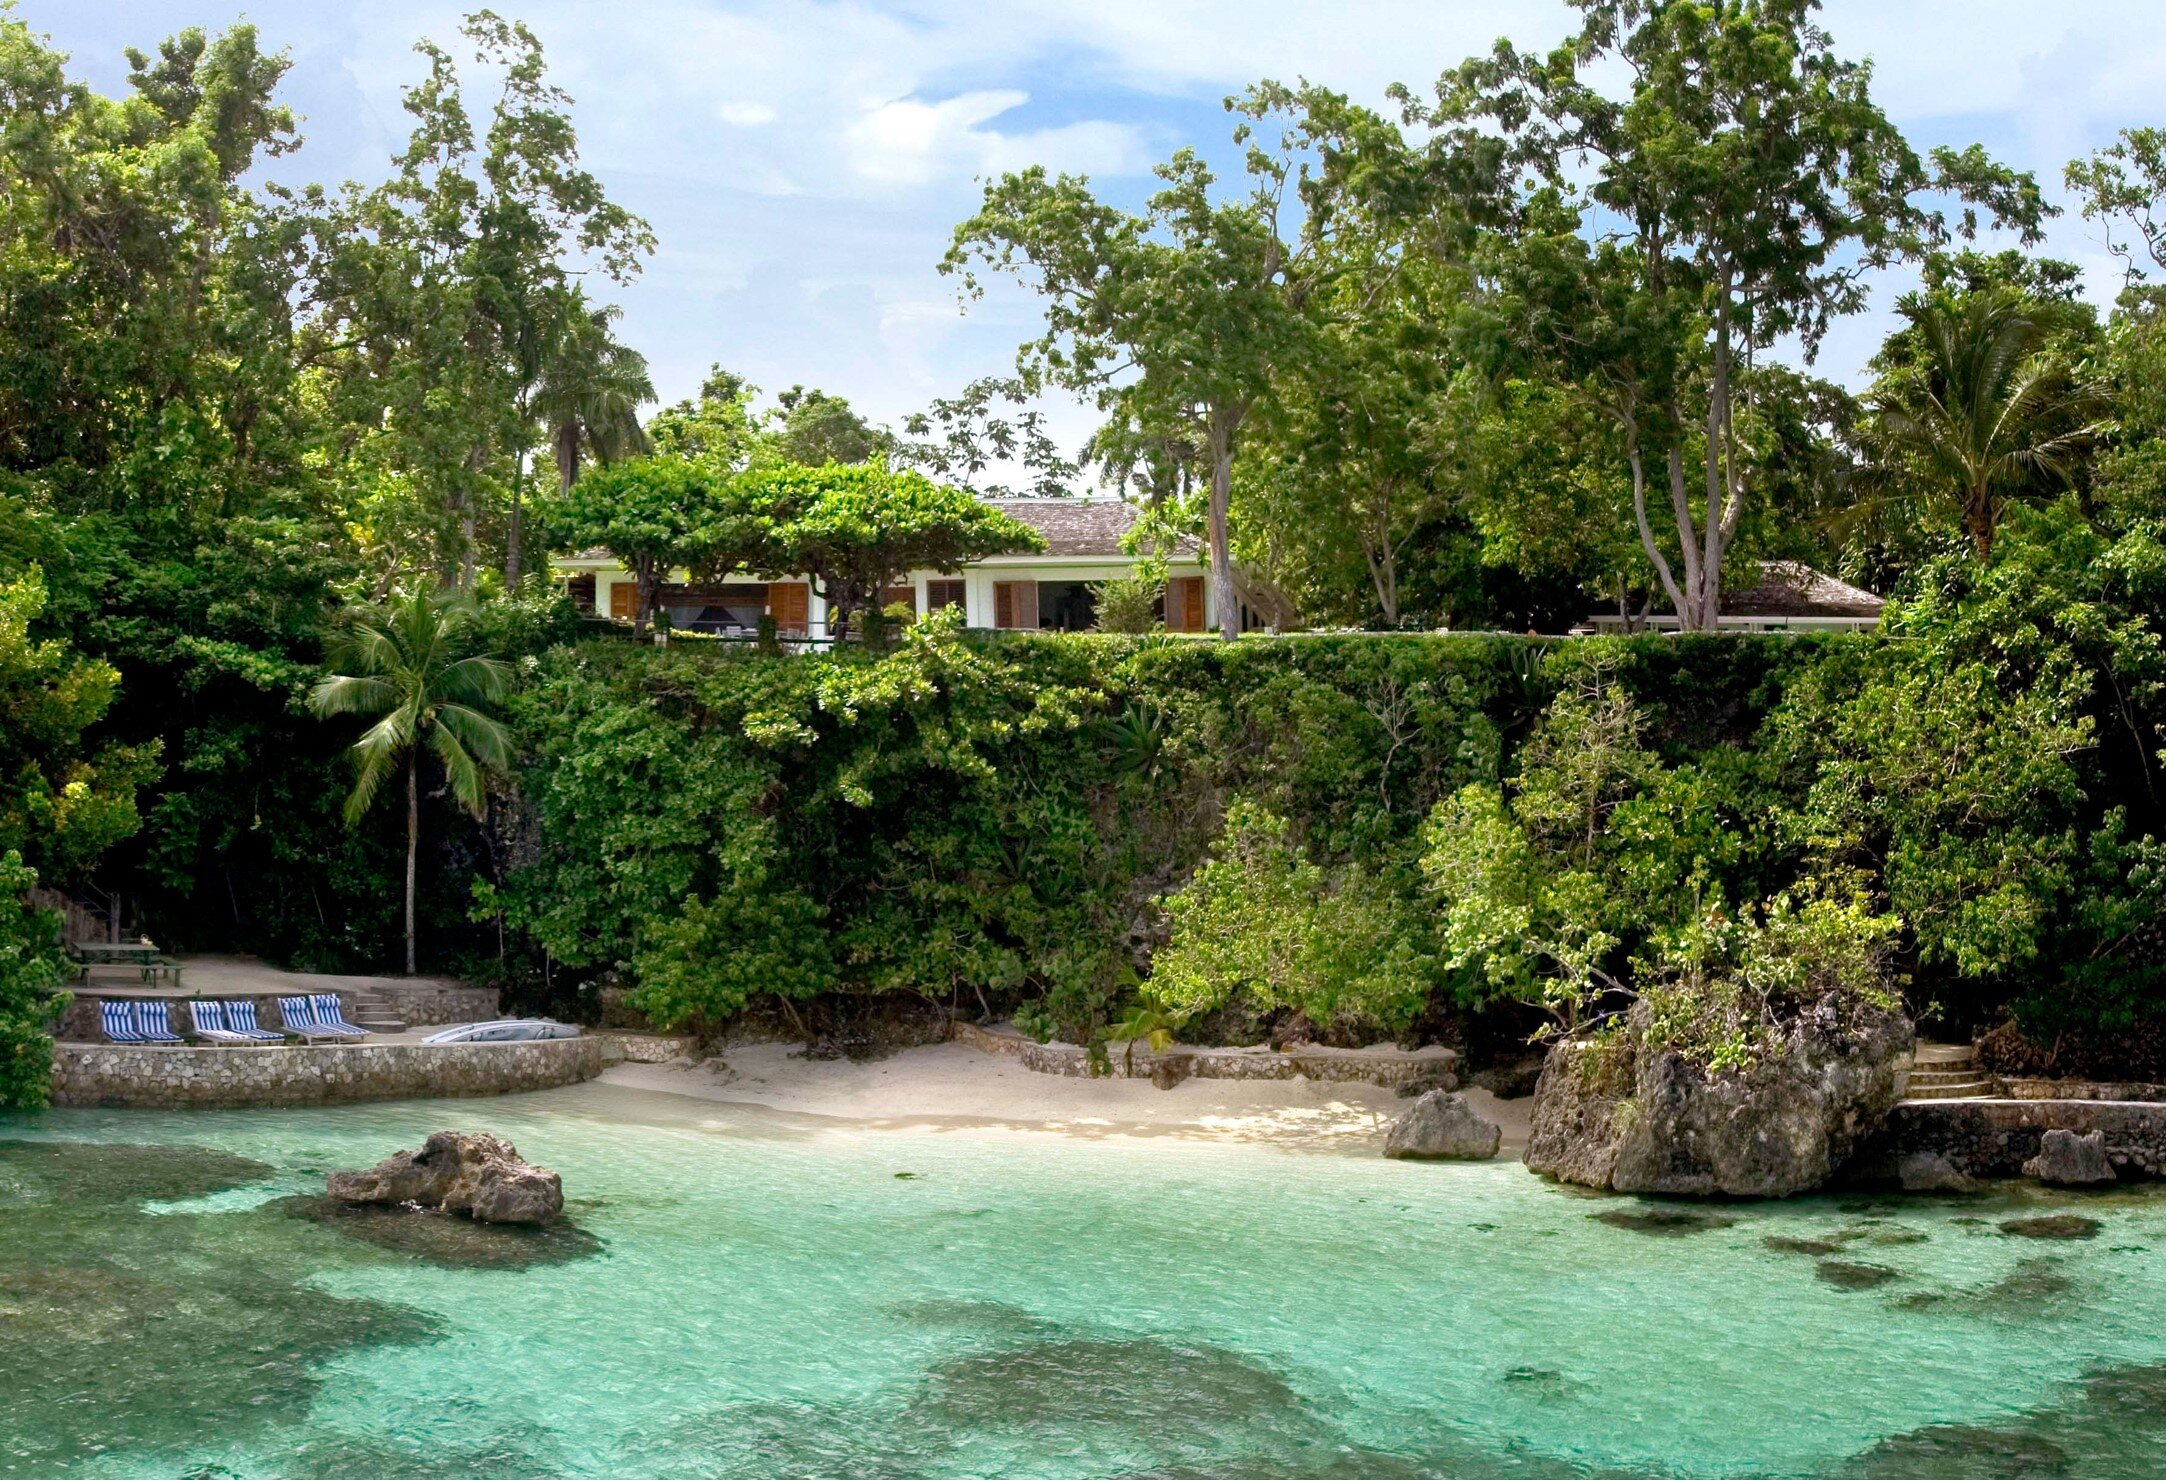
x=856 y=529
x=657 y=513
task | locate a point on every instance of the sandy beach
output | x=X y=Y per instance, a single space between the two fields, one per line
x=948 y=1088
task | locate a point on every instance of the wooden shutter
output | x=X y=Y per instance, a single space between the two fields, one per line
x=623 y=600
x=940 y=594
x=1184 y=604
x=1015 y=605
x=905 y=595
x=790 y=604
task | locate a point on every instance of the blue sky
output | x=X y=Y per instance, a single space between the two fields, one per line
x=803 y=163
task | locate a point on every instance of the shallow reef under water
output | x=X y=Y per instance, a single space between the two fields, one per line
x=741 y=1293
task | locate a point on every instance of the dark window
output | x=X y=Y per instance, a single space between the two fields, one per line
x=1067 y=606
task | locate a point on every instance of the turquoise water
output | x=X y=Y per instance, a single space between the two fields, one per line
x=753 y=1295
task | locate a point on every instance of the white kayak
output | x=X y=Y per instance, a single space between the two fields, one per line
x=504 y=1030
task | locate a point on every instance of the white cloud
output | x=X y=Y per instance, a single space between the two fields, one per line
x=804 y=160
x=741 y=114
x=911 y=142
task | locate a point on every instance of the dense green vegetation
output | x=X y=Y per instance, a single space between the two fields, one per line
x=1406 y=376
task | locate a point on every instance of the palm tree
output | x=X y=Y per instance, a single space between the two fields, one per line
x=1150 y=1021
x=1990 y=413
x=587 y=391
x=405 y=666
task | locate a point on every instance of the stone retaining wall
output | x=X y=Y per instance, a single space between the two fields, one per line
x=2078 y=1089
x=430 y=1004
x=1993 y=1138
x=1386 y=1066
x=238 y=1078
x=623 y=1046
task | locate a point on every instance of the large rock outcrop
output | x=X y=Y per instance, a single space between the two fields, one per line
x=2066 y=1159
x=1442 y=1126
x=458 y=1172
x=1630 y=1118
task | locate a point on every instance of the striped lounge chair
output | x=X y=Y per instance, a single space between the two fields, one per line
x=154 y=1025
x=299 y=1016
x=118 y=1021
x=210 y=1021
x=325 y=1012
x=241 y=1018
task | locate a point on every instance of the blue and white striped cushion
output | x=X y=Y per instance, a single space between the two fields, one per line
x=153 y=1023
x=241 y=1018
x=330 y=1013
x=118 y=1022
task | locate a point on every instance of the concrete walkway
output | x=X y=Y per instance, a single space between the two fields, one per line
x=245 y=976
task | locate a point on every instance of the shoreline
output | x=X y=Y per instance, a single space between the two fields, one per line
x=946 y=1088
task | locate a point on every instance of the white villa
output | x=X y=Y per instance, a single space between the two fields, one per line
x=1052 y=591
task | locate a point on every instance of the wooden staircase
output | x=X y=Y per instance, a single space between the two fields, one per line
x=373 y=1010
x=1948 y=1071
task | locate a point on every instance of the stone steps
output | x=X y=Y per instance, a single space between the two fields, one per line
x=1969 y=1089
x=372 y=1010
x=1949 y=1071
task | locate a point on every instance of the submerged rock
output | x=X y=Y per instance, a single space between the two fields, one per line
x=443 y=1240
x=1663 y=1222
x=1844 y=1275
x=2053 y=1225
x=1616 y=1115
x=1441 y=1126
x=1929 y=1171
x=2066 y=1159
x=458 y=1172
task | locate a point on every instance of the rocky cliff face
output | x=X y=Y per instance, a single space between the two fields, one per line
x=1630 y=1118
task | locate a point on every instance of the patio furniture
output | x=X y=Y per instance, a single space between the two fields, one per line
x=241 y=1018
x=154 y=1025
x=118 y=1021
x=299 y=1016
x=210 y=1023
x=145 y=959
x=326 y=1011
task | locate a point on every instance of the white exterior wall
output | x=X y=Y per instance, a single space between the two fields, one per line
x=978 y=581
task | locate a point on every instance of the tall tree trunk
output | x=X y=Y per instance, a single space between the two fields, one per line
x=1381 y=555
x=643 y=591
x=1229 y=604
x=567 y=455
x=413 y=846
x=1980 y=518
x=514 y=534
x=1647 y=533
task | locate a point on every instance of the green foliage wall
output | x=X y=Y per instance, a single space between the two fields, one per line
x=975 y=814
x=1295 y=826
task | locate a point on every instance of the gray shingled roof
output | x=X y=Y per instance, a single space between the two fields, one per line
x=1790 y=588
x=1075 y=526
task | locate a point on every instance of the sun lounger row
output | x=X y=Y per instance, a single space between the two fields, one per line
x=310 y=1017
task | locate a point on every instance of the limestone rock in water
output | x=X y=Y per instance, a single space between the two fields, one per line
x=1442 y=1127
x=1929 y=1171
x=2066 y=1159
x=458 y=1172
x=1630 y=1119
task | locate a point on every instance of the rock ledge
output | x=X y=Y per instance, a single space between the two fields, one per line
x=458 y=1172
